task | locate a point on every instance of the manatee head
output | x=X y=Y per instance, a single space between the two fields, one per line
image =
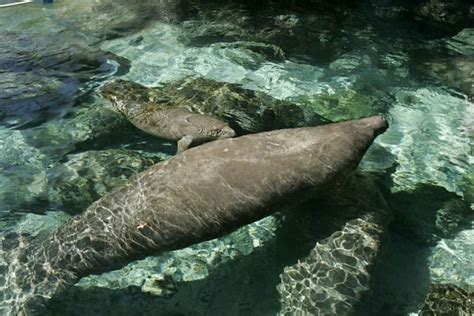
x=226 y=132
x=123 y=93
x=378 y=123
x=211 y=128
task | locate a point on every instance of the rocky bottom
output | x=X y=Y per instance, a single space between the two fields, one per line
x=448 y=299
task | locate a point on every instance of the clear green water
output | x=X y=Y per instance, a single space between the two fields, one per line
x=59 y=140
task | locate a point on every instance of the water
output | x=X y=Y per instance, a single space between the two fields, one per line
x=62 y=146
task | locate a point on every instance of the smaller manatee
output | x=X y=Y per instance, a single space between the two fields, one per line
x=160 y=118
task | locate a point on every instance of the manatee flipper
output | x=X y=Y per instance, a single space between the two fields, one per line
x=184 y=143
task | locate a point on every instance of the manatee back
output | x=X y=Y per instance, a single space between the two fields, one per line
x=208 y=191
x=176 y=123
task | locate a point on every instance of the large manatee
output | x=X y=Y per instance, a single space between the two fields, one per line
x=200 y=194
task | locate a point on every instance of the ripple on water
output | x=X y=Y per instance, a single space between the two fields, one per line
x=428 y=138
x=43 y=67
x=22 y=171
x=451 y=261
x=162 y=56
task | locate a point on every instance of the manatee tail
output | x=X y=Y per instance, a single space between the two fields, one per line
x=25 y=280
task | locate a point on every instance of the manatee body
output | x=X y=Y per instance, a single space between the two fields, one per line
x=200 y=194
x=163 y=120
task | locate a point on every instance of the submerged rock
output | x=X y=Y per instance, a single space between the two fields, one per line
x=447 y=299
x=445 y=13
x=251 y=111
x=87 y=176
x=41 y=79
x=86 y=123
x=23 y=178
x=105 y=19
x=457 y=72
x=159 y=286
x=333 y=277
x=439 y=213
x=428 y=142
x=336 y=273
x=263 y=52
x=312 y=34
x=361 y=99
x=351 y=61
x=462 y=43
x=34 y=224
x=450 y=260
x=454 y=68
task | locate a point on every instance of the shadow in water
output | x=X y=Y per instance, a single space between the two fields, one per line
x=243 y=286
x=429 y=213
x=401 y=279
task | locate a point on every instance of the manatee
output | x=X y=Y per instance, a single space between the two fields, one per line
x=197 y=195
x=245 y=110
x=161 y=119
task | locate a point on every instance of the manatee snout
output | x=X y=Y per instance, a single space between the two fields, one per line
x=121 y=90
x=226 y=132
x=377 y=123
x=380 y=124
x=108 y=90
